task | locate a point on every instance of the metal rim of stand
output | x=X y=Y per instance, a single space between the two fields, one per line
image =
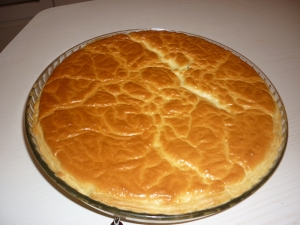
x=117 y=221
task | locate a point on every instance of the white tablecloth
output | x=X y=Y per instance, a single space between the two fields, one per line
x=267 y=32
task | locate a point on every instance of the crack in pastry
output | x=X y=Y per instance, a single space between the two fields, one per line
x=157 y=122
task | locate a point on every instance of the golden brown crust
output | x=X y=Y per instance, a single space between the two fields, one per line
x=157 y=122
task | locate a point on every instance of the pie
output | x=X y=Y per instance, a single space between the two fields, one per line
x=157 y=122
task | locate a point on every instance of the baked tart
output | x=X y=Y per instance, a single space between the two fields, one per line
x=155 y=122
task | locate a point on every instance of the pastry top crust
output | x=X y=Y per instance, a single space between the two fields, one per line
x=157 y=122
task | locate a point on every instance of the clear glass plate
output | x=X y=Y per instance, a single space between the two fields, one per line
x=128 y=215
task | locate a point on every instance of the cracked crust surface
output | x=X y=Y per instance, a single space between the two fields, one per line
x=157 y=122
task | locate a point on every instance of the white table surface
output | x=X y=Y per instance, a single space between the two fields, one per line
x=267 y=32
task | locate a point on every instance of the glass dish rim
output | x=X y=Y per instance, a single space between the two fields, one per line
x=129 y=215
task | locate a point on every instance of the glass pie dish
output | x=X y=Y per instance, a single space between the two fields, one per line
x=130 y=215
